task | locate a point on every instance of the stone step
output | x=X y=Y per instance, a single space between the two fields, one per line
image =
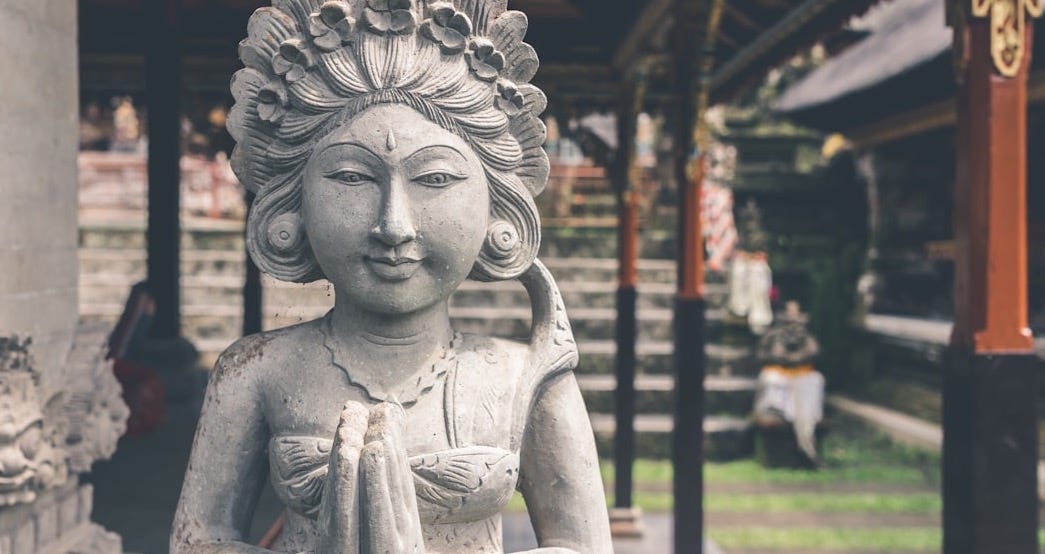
x=197 y=234
x=725 y=437
x=131 y=261
x=204 y=321
x=208 y=234
x=595 y=242
x=228 y=289
x=654 y=394
x=598 y=357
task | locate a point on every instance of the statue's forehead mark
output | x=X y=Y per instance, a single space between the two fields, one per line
x=390 y=141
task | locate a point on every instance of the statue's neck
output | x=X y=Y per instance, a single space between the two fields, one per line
x=390 y=348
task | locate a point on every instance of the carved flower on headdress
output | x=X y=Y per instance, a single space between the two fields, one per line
x=509 y=99
x=390 y=17
x=273 y=103
x=484 y=59
x=293 y=60
x=448 y=28
x=331 y=27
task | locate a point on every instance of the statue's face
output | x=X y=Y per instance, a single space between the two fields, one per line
x=395 y=208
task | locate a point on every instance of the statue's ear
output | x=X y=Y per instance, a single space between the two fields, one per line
x=513 y=237
x=276 y=237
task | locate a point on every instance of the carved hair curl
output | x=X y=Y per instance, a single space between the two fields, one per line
x=311 y=66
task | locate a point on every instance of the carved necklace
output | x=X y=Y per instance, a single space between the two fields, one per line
x=410 y=391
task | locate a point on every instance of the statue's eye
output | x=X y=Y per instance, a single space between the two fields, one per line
x=438 y=179
x=350 y=177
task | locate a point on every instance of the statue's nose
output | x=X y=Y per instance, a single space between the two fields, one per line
x=395 y=225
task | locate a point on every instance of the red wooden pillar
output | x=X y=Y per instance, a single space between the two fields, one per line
x=990 y=460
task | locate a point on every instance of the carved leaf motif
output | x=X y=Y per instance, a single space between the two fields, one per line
x=482 y=12
x=507 y=33
x=461 y=471
x=536 y=101
x=300 y=465
x=266 y=30
x=478 y=478
x=445 y=479
x=530 y=131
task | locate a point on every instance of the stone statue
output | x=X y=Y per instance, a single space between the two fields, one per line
x=790 y=389
x=395 y=150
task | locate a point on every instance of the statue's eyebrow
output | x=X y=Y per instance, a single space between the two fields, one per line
x=439 y=147
x=352 y=144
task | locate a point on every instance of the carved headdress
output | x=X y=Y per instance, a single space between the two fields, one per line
x=312 y=65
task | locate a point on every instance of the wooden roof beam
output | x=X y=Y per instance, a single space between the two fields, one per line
x=743 y=19
x=631 y=48
x=926 y=118
x=769 y=39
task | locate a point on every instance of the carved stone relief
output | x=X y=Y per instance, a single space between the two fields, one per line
x=31 y=459
x=47 y=438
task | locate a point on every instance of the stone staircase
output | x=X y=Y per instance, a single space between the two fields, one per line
x=112 y=258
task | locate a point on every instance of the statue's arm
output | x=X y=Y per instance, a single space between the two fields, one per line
x=560 y=477
x=227 y=467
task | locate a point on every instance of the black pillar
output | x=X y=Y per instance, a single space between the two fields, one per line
x=627 y=250
x=691 y=84
x=990 y=453
x=688 y=438
x=163 y=84
x=624 y=441
x=253 y=317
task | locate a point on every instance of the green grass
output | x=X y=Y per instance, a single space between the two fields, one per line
x=864 y=540
x=880 y=539
x=806 y=502
x=852 y=454
x=791 y=503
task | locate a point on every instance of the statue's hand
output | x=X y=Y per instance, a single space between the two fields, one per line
x=339 y=509
x=390 y=518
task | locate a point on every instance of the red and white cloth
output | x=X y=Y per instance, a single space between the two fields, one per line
x=720 y=230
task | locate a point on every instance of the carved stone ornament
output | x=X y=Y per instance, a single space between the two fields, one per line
x=46 y=435
x=395 y=149
x=1008 y=23
x=94 y=407
x=30 y=430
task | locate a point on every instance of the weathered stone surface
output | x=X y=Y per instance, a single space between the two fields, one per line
x=38 y=147
x=60 y=408
x=395 y=150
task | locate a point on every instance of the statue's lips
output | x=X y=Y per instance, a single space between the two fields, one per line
x=393 y=269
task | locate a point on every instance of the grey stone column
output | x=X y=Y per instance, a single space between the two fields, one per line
x=38 y=192
x=59 y=400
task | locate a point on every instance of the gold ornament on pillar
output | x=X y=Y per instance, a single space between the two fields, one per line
x=1008 y=20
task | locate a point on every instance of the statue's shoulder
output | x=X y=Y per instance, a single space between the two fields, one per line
x=252 y=357
x=481 y=352
x=521 y=366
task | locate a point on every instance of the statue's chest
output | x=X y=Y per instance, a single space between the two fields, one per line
x=473 y=404
x=458 y=436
